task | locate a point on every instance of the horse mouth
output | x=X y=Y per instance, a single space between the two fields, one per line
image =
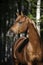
x=17 y=36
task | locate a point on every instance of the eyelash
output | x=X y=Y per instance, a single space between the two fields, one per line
x=20 y=22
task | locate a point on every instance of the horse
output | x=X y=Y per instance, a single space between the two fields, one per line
x=32 y=52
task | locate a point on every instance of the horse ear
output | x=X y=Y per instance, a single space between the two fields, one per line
x=21 y=13
x=17 y=14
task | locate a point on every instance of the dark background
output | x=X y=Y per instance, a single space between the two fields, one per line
x=8 y=9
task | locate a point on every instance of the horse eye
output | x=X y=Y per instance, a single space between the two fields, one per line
x=20 y=22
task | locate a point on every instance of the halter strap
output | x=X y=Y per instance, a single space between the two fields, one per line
x=23 y=45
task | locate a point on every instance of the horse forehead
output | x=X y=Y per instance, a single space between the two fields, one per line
x=20 y=18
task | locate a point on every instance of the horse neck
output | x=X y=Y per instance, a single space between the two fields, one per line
x=33 y=34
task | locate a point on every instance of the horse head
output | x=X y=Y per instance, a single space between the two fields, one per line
x=20 y=25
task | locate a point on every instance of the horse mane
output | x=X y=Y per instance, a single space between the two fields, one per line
x=36 y=30
x=32 y=23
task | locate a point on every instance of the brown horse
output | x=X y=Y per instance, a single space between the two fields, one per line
x=32 y=52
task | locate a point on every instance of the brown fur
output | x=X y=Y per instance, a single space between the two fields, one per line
x=34 y=49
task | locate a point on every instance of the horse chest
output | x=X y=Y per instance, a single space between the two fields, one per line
x=33 y=52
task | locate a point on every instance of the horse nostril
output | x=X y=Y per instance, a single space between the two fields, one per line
x=9 y=33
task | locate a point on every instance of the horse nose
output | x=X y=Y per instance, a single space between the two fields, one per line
x=10 y=33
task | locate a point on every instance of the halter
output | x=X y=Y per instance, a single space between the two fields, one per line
x=23 y=44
